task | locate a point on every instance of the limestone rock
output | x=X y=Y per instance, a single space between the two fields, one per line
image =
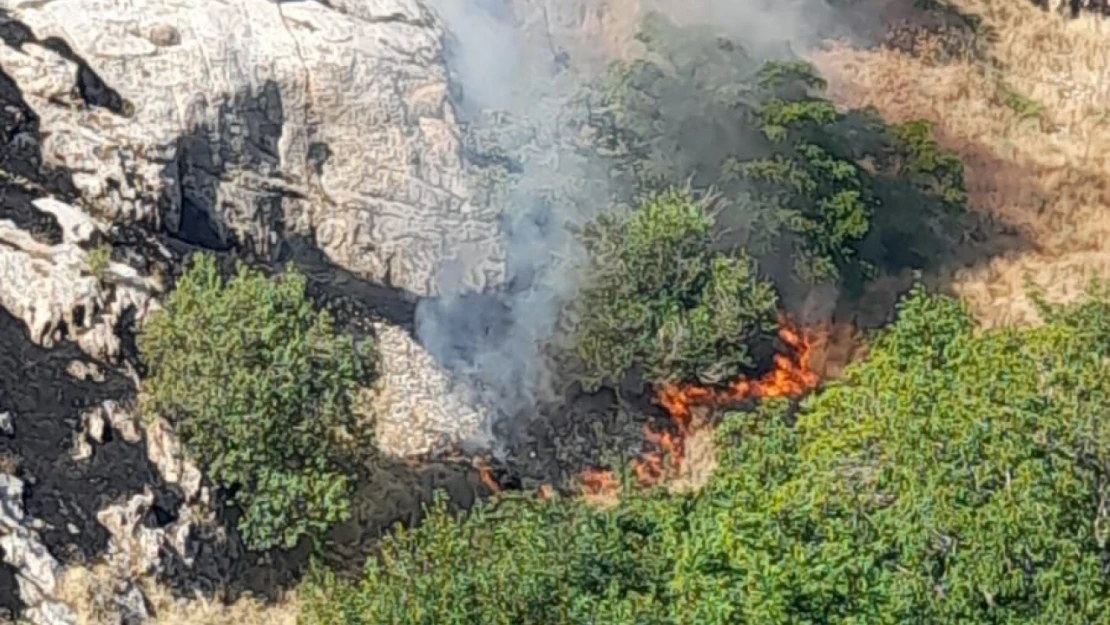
x=51 y=613
x=76 y=226
x=135 y=547
x=38 y=571
x=166 y=453
x=245 y=122
x=419 y=407
x=130 y=606
x=52 y=289
x=121 y=420
x=137 y=551
x=43 y=285
x=11 y=502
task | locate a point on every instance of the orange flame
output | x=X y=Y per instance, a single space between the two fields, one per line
x=599 y=482
x=790 y=376
x=485 y=475
x=651 y=468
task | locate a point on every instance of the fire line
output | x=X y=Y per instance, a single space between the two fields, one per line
x=790 y=376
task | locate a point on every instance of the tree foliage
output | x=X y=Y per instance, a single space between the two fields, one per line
x=663 y=297
x=804 y=193
x=842 y=194
x=259 y=385
x=955 y=476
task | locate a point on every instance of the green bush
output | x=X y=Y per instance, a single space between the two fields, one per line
x=98 y=260
x=813 y=194
x=662 y=296
x=840 y=193
x=956 y=476
x=259 y=386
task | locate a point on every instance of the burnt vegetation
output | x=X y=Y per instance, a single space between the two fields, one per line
x=953 y=475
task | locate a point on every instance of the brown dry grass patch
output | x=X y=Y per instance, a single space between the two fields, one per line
x=1043 y=173
x=83 y=588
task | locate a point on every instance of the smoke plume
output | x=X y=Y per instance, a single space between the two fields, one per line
x=522 y=57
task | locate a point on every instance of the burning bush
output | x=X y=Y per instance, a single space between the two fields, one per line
x=661 y=298
x=812 y=194
x=954 y=476
x=258 y=384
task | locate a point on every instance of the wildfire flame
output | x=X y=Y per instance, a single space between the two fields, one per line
x=651 y=468
x=485 y=476
x=790 y=376
x=598 y=482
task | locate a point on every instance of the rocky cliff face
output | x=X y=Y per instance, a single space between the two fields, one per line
x=315 y=131
x=244 y=123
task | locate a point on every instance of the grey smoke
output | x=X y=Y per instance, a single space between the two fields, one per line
x=482 y=47
x=499 y=340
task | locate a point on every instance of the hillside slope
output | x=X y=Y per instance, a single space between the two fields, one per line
x=1021 y=98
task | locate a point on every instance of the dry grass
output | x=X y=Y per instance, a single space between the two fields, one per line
x=699 y=459
x=10 y=463
x=83 y=588
x=1034 y=133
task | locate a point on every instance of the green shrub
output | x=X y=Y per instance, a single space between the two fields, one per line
x=809 y=193
x=956 y=476
x=662 y=296
x=98 y=260
x=259 y=386
x=840 y=193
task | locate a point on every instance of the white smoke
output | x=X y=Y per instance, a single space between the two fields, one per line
x=507 y=55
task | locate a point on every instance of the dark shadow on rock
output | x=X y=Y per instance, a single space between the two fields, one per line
x=47 y=404
x=240 y=136
x=90 y=87
x=241 y=139
x=11 y=605
x=352 y=299
x=23 y=175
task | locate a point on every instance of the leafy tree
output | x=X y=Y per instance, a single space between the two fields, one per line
x=954 y=476
x=663 y=297
x=259 y=386
x=812 y=193
x=840 y=193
